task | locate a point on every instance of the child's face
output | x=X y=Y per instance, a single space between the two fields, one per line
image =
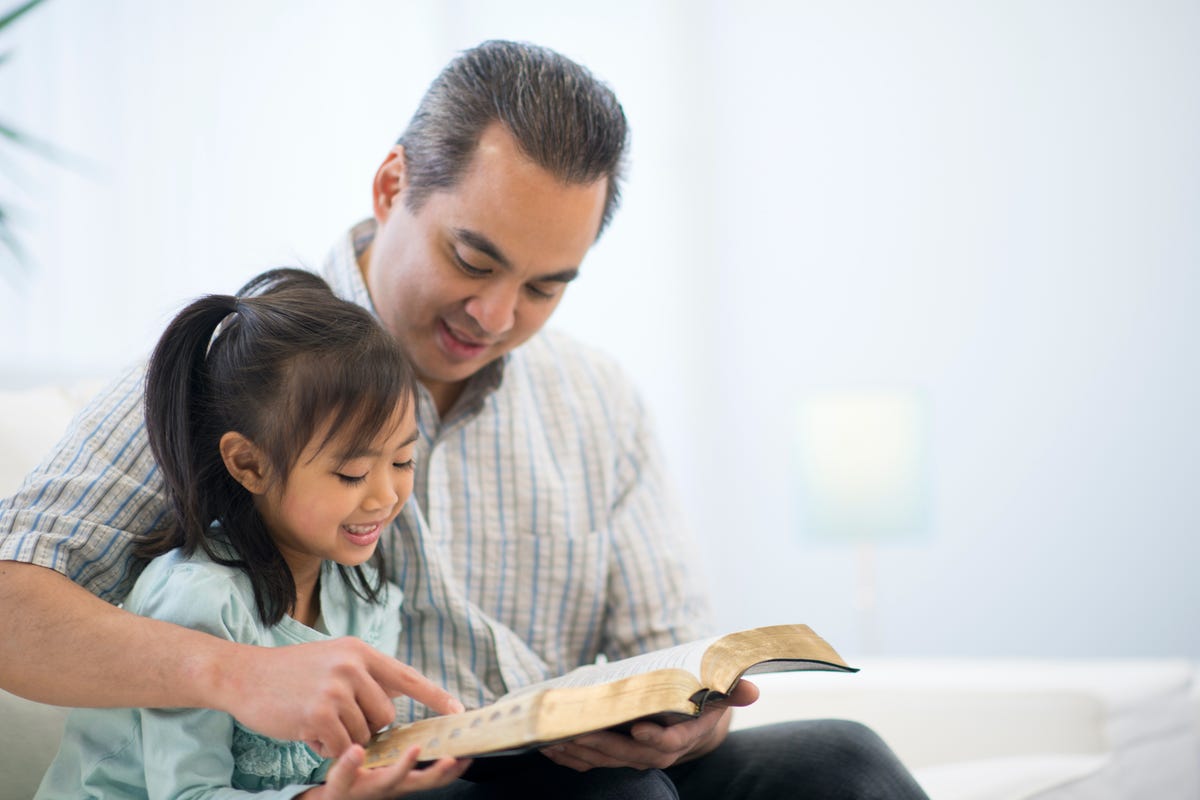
x=335 y=505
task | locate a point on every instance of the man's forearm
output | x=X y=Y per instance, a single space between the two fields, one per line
x=60 y=644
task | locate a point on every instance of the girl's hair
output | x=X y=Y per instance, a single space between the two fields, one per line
x=274 y=363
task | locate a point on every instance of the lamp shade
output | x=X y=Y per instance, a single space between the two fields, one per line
x=862 y=466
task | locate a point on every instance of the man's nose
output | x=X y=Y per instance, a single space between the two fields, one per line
x=494 y=309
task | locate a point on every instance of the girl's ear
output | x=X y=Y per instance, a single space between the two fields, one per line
x=245 y=462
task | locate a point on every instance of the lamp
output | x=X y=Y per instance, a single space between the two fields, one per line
x=863 y=476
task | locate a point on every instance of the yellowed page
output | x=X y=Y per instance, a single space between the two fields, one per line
x=685 y=656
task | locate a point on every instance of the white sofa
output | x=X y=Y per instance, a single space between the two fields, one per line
x=970 y=729
x=1002 y=729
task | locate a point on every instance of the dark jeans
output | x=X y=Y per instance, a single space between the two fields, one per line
x=810 y=759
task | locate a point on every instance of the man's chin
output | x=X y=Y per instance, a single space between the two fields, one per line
x=450 y=374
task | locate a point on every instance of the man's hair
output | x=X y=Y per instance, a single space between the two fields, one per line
x=562 y=118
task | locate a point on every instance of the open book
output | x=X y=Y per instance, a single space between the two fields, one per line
x=665 y=686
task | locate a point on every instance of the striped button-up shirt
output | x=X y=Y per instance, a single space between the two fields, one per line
x=542 y=530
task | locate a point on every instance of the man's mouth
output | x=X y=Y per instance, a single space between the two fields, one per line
x=456 y=344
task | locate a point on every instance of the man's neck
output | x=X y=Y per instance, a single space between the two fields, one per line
x=444 y=395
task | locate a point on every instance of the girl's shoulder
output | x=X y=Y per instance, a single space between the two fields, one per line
x=347 y=614
x=197 y=592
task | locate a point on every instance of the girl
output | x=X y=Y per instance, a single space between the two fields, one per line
x=283 y=422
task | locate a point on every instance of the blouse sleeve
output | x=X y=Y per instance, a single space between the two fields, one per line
x=188 y=752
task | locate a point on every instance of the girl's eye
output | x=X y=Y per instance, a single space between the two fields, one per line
x=405 y=465
x=350 y=480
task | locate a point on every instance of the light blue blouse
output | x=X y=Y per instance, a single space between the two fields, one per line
x=121 y=753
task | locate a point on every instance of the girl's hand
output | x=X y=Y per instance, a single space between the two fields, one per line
x=347 y=780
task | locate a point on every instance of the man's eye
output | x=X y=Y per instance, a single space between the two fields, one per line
x=474 y=272
x=539 y=292
x=350 y=479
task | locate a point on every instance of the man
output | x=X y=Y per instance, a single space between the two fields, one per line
x=541 y=531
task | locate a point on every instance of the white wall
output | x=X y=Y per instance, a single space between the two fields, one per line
x=992 y=205
x=996 y=206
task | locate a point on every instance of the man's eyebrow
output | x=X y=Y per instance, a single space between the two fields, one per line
x=564 y=276
x=477 y=241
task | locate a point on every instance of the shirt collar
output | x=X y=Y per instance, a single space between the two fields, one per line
x=341 y=265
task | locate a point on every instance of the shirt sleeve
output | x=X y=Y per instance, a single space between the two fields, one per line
x=188 y=753
x=80 y=510
x=655 y=595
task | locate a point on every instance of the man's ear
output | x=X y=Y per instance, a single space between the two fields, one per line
x=391 y=179
x=245 y=462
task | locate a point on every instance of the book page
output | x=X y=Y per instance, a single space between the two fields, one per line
x=773 y=648
x=685 y=656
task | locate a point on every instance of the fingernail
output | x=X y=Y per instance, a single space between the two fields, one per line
x=642 y=735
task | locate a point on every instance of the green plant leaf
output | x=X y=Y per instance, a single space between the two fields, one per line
x=17 y=13
x=12 y=256
x=32 y=143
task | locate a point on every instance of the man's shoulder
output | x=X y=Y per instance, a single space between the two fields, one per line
x=555 y=373
x=555 y=351
x=117 y=403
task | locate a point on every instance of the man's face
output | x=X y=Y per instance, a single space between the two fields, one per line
x=480 y=267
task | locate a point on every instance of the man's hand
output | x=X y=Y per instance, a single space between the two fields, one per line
x=650 y=746
x=328 y=694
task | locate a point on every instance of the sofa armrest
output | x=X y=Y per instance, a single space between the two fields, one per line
x=1119 y=728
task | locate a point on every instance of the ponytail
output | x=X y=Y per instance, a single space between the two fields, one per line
x=179 y=417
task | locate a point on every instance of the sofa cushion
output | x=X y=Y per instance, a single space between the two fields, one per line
x=32 y=420
x=1045 y=777
x=29 y=739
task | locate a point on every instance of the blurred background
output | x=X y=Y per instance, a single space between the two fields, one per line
x=910 y=288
